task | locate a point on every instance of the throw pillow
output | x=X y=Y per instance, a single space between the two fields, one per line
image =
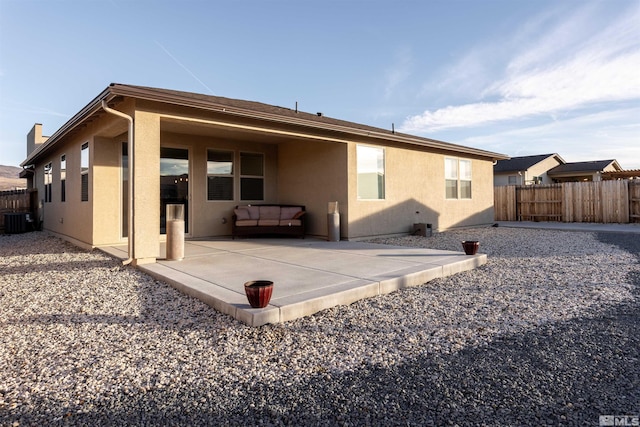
x=241 y=214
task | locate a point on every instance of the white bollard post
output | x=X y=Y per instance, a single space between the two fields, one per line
x=175 y=232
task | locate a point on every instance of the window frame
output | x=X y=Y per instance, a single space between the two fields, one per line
x=231 y=175
x=84 y=172
x=464 y=179
x=63 y=178
x=460 y=181
x=48 y=181
x=381 y=173
x=243 y=177
x=451 y=176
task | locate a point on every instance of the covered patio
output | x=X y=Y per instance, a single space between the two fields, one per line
x=309 y=275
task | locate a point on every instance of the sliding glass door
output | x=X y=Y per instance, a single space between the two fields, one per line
x=174 y=183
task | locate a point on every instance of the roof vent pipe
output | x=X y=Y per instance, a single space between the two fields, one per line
x=319 y=114
x=129 y=119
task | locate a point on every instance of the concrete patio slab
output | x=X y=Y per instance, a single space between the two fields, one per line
x=309 y=275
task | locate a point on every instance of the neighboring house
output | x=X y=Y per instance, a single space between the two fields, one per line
x=583 y=171
x=106 y=175
x=525 y=170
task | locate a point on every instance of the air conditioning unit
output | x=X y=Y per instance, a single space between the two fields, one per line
x=15 y=223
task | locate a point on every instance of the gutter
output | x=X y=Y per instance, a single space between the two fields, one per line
x=129 y=119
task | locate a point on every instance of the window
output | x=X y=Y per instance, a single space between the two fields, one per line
x=174 y=183
x=457 y=177
x=48 y=179
x=451 y=178
x=219 y=175
x=370 y=167
x=63 y=178
x=513 y=180
x=251 y=176
x=84 y=172
x=465 y=179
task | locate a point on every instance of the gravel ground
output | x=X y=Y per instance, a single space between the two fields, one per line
x=546 y=333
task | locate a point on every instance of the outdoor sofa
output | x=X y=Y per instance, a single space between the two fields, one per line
x=249 y=220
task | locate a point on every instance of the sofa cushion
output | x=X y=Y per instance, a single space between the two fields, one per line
x=242 y=214
x=254 y=211
x=268 y=221
x=288 y=212
x=246 y=222
x=269 y=212
x=290 y=222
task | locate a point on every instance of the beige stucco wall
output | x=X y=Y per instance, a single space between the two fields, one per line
x=209 y=217
x=97 y=221
x=73 y=218
x=415 y=193
x=313 y=174
x=106 y=174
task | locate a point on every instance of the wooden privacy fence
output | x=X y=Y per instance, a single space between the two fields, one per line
x=16 y=201
x=599 y=201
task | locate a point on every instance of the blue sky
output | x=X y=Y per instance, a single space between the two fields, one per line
x=514 y=77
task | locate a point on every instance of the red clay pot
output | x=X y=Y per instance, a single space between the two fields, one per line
x=259 y=292
x=470 y=246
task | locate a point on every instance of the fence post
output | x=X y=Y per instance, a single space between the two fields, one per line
x=625 y=203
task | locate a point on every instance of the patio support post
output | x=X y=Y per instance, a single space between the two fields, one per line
x=146 y=216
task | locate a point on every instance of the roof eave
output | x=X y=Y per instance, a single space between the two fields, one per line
x=70 y=125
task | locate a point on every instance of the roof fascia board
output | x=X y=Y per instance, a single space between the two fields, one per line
x=559 y=159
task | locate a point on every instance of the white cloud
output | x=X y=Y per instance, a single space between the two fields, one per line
x=468 y=76
x=594 y=136
x=571 y=66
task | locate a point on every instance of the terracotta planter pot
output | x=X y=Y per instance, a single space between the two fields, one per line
x=470 y=246
x=258 y=292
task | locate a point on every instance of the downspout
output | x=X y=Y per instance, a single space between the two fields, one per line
x=130 y=171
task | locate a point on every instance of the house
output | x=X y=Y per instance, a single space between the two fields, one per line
x=525 y=170
x=583 y=171
x=106 y=176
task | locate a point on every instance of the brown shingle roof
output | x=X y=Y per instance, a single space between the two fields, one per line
x=522 y=163
x=583 y=167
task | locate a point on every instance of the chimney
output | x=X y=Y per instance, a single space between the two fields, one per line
x=35 y=138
